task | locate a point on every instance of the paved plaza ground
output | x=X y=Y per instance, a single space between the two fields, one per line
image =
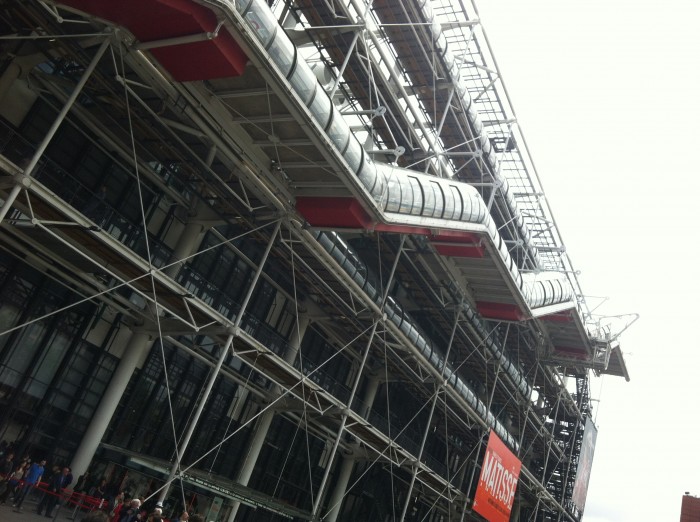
x=29 y=514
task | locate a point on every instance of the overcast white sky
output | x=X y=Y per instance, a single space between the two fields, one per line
x=607 y=93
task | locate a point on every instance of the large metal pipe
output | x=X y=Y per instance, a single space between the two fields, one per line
x=397 y=192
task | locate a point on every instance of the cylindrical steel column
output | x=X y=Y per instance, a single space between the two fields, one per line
x=321 y=490
x=336 y=501
x=263 y=423
x=191 y=236
x=187 y=243
x=215 y=372
x=137 y=347
x=52 y=131
x=297 y=335
x=341 y=486
x=438 y=387
x=370 y=393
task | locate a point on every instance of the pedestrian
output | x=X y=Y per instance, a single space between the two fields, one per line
x=155 y=516
x=7 y=466
x=116 y=507
x=57 y=483
x=36 y=470
x=129 y=514
x=99 y=491
x=184 y=517
x=13 y=481
x=82 y=485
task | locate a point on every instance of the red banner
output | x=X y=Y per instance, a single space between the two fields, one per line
x=585 y=462
x=498 y=481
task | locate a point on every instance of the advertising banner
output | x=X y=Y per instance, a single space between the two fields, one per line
x=585 y=462
x=495 y=492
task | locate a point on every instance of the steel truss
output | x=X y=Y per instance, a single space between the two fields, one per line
x=243 y=148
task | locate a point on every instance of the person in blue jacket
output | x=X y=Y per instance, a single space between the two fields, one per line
x=33 y=477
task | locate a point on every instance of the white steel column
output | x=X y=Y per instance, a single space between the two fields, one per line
x=341 y=486
x=139 y=344
x=297 y=335
x=440 y=386
x=262 y=425
x=192 y=234
x=187 y=243
x=348 y=463
x=137 y=347
x=258 y=439
x=215 y=372
x=341 y=429
x=370 y=393
x=52 y=131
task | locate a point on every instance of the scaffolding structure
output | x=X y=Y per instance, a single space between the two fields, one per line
x=398 y=287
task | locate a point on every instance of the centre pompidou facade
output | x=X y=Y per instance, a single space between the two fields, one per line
x=286 y=260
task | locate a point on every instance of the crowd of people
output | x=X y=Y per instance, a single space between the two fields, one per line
x=102 y=516
x=18 y=477
x=136 y=511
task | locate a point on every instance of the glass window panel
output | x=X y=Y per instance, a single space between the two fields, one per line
x=338 y=131
x=439 y=200
x=429 y=199
x=262 y=21
x=25 y=348
x=50 y=359
x=353 y=155
x=303 y=81
x=449 y=202
x=241 y=5
x=282 y=51
x=368 y=175
x=458 y=204
x=406 y=196
x=321 y=107
x=393 y=195
x=417 y=196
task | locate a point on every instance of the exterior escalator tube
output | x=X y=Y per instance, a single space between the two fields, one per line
x=415 y=194
x=395 y=190
x=544 y=289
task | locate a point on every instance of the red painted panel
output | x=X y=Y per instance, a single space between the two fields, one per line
x=401 y=229
x=218 y=58
x=151 y=20
x=503 y=311
x=348 y=213
x=458 y=236
x=333 y=212
x=559 y=317
x=457 y=250
x=456 y=243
